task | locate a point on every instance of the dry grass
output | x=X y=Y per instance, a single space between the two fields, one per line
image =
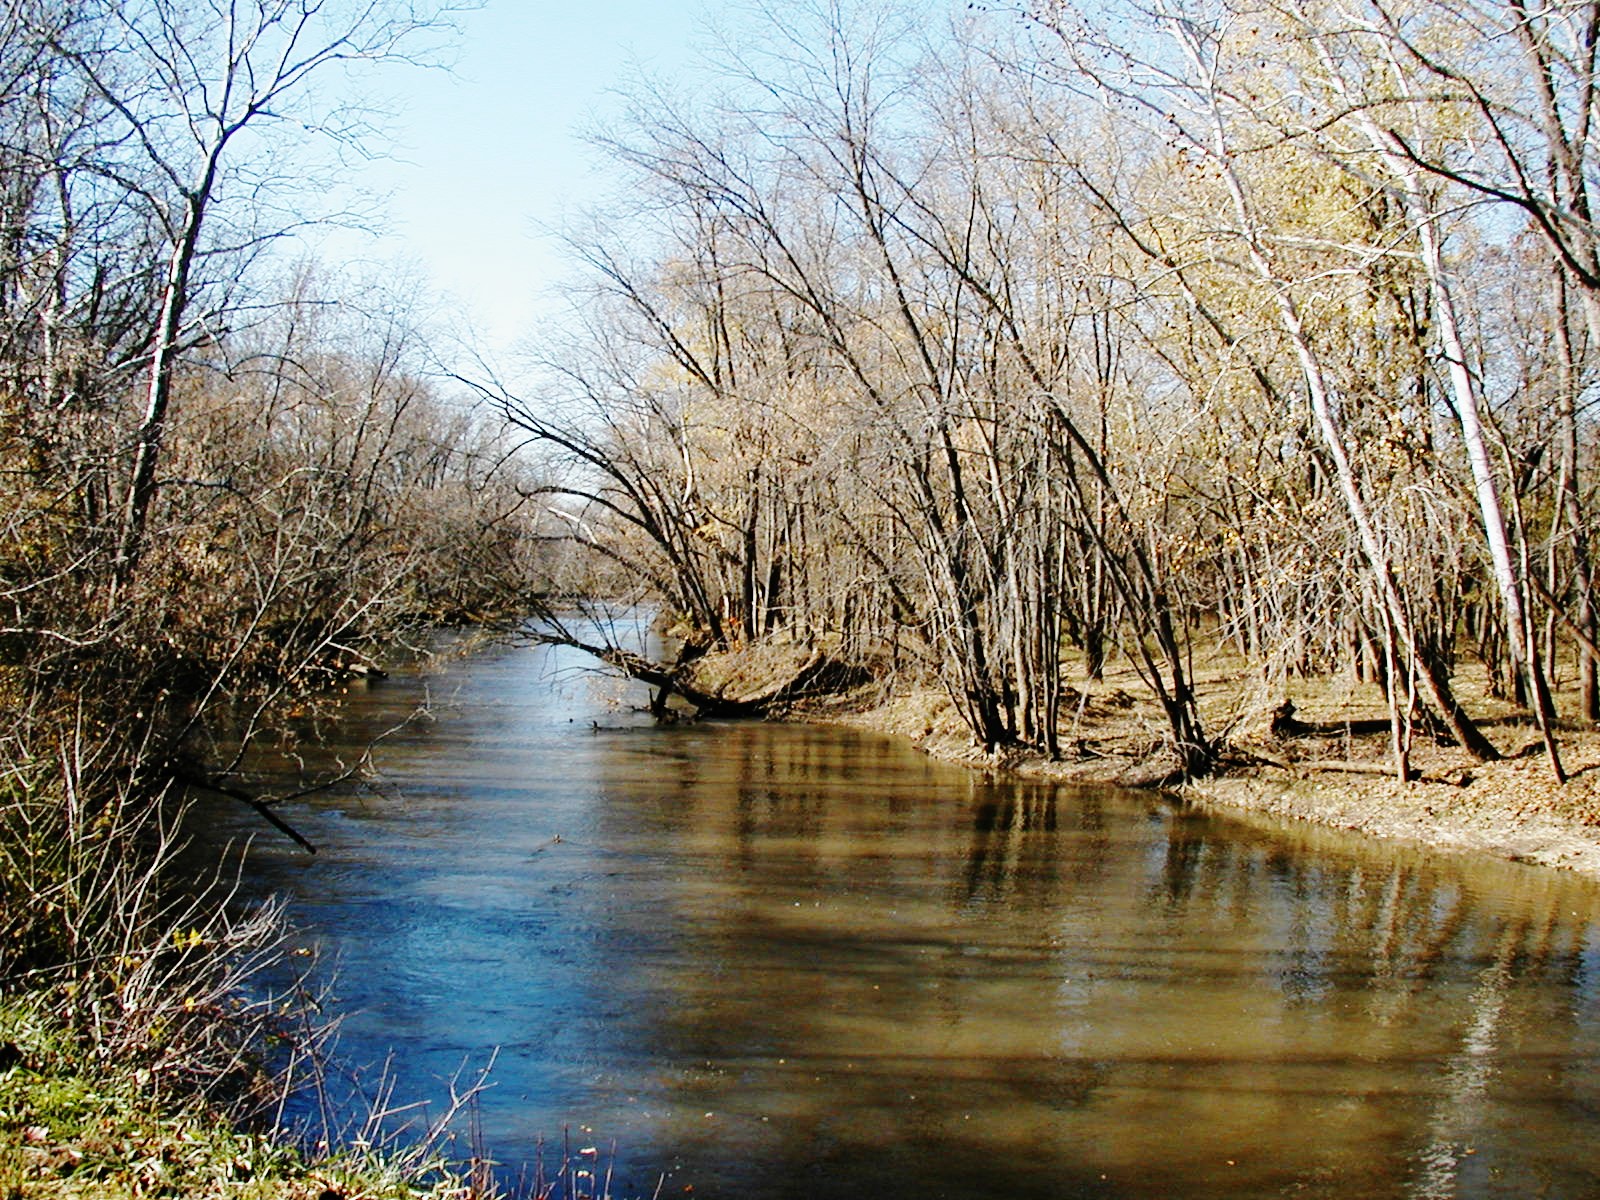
x=134 y=1051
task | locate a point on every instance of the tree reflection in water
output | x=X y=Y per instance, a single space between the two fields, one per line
x=884 y=976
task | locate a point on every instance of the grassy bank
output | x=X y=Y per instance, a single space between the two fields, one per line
x=137 y=1057
x=74 y=1126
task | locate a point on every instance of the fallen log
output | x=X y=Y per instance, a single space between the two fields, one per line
x=1339 y=765
x=817 y=675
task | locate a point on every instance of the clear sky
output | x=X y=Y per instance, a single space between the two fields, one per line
x=488 y=153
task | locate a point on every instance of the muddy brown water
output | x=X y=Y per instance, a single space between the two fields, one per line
x=784 y=961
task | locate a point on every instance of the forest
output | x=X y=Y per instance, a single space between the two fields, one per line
x=1120 y=330
x=980 y=347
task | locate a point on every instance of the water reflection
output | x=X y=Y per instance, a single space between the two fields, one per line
x=800 y=962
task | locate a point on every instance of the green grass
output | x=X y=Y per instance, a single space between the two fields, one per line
x=70 y=1127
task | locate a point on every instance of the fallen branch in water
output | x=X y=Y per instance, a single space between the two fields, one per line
x=817 y=674
x=262 y=807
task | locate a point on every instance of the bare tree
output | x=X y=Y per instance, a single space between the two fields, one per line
x=182 y=84
x=1195 y=97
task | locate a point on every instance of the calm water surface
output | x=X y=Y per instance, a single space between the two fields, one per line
x=779 y=962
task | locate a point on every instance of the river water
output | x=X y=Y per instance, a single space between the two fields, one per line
x=771 y=961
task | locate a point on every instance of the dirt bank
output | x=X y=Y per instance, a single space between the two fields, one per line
x=1333 y=770
x=1513 y=809
x=1329 y=764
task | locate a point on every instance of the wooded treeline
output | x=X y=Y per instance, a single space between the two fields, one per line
x=1119 y=329
x=222 y=474
x=227 y=478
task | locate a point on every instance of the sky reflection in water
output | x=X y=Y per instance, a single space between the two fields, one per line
x=778 y=961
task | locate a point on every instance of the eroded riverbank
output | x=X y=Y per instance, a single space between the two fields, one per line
x=1332 y=777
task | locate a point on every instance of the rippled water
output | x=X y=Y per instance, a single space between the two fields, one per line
x=776 y=961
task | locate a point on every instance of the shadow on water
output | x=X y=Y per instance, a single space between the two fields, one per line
x=782 y=962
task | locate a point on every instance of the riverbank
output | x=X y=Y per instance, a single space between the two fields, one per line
x=136 y=1057
x=1332 y=767
x=73 y=1127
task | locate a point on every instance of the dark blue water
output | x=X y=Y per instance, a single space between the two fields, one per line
x=773 y=961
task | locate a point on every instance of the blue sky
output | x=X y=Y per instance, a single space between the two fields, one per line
x=487 y=153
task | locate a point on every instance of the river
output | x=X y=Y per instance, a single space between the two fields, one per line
x=774 y=961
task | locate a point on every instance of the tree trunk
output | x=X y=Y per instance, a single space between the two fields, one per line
x=158 y=391
x=1433 y=677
